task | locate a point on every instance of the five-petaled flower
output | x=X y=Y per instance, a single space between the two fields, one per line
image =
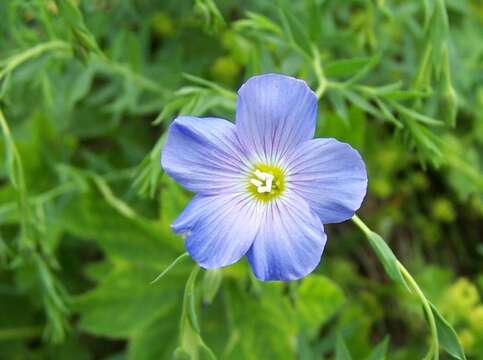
x=264 y=187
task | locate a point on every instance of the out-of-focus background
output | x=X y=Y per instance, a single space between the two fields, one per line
x=87 y=89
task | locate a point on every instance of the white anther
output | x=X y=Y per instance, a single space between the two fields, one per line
x=256 y=182
x=266 y=177
x=269 y=182
x=260 y=175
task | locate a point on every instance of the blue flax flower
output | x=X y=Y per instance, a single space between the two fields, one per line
x=264 y=187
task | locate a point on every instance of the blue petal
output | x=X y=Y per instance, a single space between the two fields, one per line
x=290 y=242
x=274 y=113
x=203 y=155
x=219 y=229
x=331 y=176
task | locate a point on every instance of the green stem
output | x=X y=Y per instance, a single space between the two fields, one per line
x=30 y=239
x=11 y=63
x=127 y=73
x=14 y=61
x=413 y=287
x=189 y=328
x=62 y=189
x=365 y=229
x=17 y=179
x=319 y=73
x=190 y=338
x=427 y=308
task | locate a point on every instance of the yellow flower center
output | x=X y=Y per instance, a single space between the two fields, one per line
x=266 y=182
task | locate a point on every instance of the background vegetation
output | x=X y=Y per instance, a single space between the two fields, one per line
x=87 y=89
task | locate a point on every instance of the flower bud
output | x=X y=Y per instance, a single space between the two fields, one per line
x=181 y=354
x=211 y=284
x=449 y=106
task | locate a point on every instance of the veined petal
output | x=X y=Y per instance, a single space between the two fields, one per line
x=219 y=229
x=331 y=176
x=290 y=241
x=203 y=155
x=274 y=114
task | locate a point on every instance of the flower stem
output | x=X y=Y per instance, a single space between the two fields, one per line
x=413 y=287
x=190 y=339
x=433 y=350
x=361 y=224
x=319 y=73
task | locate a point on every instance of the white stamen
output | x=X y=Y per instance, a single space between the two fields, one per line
x=260 y=175
x=266 y=177
x=256 y=182
x=269 y=182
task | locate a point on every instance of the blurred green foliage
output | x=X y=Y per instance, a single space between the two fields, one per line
x=87 y=89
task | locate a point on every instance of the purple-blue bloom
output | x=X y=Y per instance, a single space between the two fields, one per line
x=264 y=187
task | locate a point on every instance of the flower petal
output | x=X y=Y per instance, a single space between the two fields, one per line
x=203 y=155
x=331 y=176
x=274 y=113
x=219 y=229
x=290 y=241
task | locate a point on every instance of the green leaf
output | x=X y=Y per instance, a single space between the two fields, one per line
x=365 y=69
x=416 y=116
x=339 y=105
x=80 y=85
x=263 y=327
x=447 y=337
x=158 y=338
x=260 y=22
x=135 y=239
x=380 y=351
x=211 y=284
x=361 y=103
x=294 y=30
x=383 y=252
x=85 y=40
x=318 y=299
x=341 y=351
x=173 y=199
x=387 y=257
x=428 y=142
x=169 y=267
x=346 y=67
x=148 y=173
x=125 y=301
x=387 y=113
x=352 y=130
x=212 y=17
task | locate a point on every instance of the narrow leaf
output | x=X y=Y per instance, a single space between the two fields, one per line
x=379 y=352
x=294 y=30
x=383 y=252
x=170 y=266
x=387 y=257
x=417 y=116
x=447 y=336
x=341 y=351
x=346 y=67
x=361 y=103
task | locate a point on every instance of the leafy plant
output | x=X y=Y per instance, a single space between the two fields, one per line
x=87 y=90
